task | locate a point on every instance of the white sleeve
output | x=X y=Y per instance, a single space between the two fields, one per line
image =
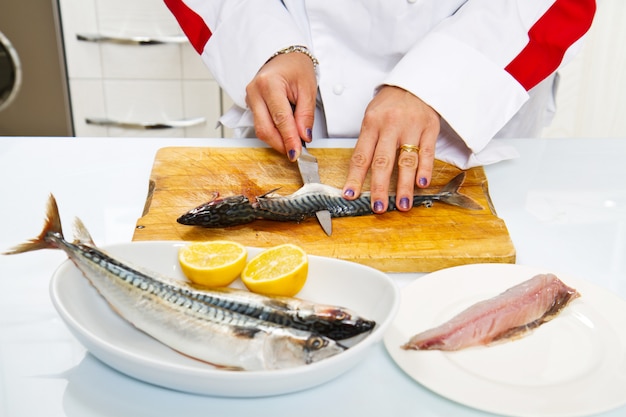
x=476 y=67
x=236 y=34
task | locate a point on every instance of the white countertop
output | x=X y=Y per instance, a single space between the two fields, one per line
x=563 y=201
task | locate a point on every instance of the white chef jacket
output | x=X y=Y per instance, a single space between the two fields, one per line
x=487 y=67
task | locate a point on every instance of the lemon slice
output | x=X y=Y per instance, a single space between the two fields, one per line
x=281 y=270
x=213 y=264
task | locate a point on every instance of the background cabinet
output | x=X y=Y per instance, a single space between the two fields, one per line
x=132 y=72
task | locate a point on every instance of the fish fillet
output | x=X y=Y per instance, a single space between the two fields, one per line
x=506 y=316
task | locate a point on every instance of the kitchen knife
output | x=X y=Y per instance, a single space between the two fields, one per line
x=309 y=171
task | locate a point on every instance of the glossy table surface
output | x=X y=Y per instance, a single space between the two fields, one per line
x=563 y=200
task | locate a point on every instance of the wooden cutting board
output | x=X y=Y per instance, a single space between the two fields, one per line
x=422 y=240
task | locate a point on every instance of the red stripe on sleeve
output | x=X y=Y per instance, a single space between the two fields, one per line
x=192 y=24
x=564 y=23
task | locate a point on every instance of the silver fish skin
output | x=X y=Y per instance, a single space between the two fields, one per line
x=305 y=202
x=169 y=314
x=507 y=316
x=332 y=321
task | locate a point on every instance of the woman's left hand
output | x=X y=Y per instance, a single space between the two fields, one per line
x=395 y=117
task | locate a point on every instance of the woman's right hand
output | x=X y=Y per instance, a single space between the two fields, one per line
x=282 y=99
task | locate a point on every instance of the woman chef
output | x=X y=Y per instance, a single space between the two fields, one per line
x=428 y=77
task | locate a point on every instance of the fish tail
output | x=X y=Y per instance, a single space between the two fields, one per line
x=450 y=194
x=52 y=226
x=460 y=200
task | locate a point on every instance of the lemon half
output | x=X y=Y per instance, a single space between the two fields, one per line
x=280 y=270
x=213 y=264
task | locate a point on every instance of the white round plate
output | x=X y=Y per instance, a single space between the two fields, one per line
x=117 y=343
x=574 y=365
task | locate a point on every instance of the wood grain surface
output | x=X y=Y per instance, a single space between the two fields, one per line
x=422 y=240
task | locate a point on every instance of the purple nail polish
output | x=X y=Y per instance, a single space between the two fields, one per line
x=292 y=154
x=309 y=133
x=423 y=182
x=378 y=206
x=404 y=203
x=349 y=193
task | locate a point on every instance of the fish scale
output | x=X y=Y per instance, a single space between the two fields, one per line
x=170 y=314
x=176 y=296
x=337 y=322
x=305 y=202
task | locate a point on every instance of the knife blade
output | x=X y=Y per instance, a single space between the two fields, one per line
x=309 y=171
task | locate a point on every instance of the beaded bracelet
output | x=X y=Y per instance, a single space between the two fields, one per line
x=297 y=48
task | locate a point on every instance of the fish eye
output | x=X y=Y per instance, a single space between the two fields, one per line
x=340 y=315
x=316 y=343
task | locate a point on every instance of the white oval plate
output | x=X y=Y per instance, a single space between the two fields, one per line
x=574 y=365
x=117 y=343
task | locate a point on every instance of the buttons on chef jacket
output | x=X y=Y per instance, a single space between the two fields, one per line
x=338 y=89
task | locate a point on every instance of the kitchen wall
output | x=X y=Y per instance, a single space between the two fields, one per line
x=121 y=84
x=591 y=100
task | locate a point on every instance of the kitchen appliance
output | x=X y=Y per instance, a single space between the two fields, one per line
x=34 y=97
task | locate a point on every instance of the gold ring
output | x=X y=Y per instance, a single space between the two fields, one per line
x=409 y=148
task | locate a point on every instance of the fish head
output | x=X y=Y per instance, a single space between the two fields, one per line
x=340 y=323
x=297 y=348
x=318 y=347
x=220 y=212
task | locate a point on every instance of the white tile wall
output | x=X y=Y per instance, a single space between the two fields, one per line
x=192 y=66
x=200 y=94
x=149 y=101
x=87 y=98
x=83 y=59
x=135 y=17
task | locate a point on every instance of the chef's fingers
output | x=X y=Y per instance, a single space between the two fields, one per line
x=415 y=164
x=304 y=92
x=304 y=113
x=264 y=126
x=272 y=112
x=359 y=164
x=375 y=151
x=381 y=169
x=284 y=121
x=299 y=87
x=284 y=81
x=426 y=156
x=407 y=168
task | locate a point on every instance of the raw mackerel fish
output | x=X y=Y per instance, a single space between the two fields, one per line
x=311 y=198
x=504 y=317
x=188 y=321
